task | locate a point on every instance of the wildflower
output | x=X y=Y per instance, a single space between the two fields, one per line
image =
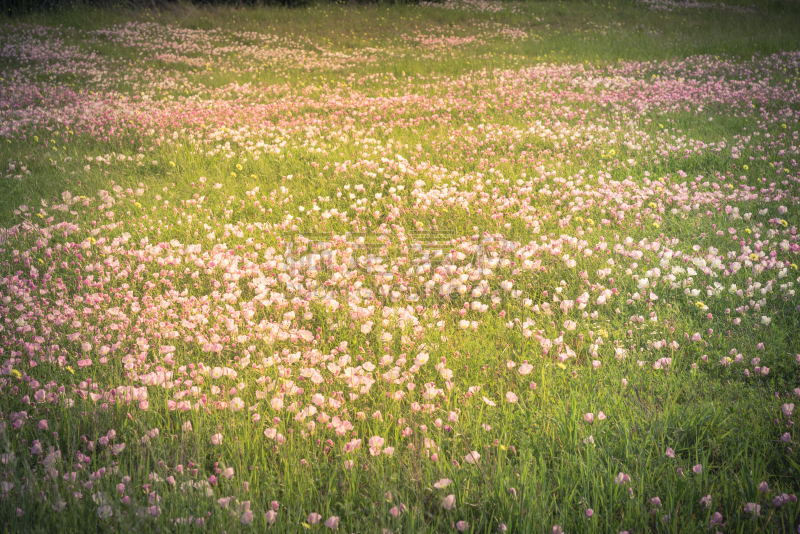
x=332 y=522
x=442 y=483
x=313 y=518
x=753 y=508
x=472 y=458
x=448 y=502
x=697 y=469
x=462 y=526
x=216 y=439
x=247 y=517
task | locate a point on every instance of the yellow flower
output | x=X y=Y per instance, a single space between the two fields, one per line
x=754 y=256
x=794 y=266
x=233 y=175
x=16 y=374
x=784 y=223
x=656 y=225
x=746 y=167
x=253 y=176
x=171 y=163
x=238 y=167
x=653 y=205
x=748 y=230
x=70 y=370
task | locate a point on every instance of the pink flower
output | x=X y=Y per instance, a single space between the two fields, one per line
x=786 y=409
x=462 y=526
x=42 y=424
x=472 y=458
x=442 y=483
x=601 y=416
x=313 y=518
x=511 y=397
x=228 y=473
x=247 y=517
x=669 y=453
x=332 y=522
x=449 y=502
x=622 y=478
x=271 y=516
x=216 y=439
x=589 y=513
x=697 y=469
x=753 y=508
x=589 y=418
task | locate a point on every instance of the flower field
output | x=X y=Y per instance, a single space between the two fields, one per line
x=468 y=266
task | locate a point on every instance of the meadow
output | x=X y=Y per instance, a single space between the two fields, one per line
x=471 y=266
